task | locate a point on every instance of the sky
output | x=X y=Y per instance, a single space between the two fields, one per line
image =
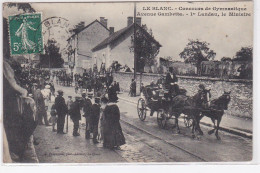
x=226 y=35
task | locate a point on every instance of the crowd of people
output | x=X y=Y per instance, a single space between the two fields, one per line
x=101 y=117
x=48 y=106
x=95 y=99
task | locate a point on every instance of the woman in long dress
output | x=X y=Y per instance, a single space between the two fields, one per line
x=112 y=131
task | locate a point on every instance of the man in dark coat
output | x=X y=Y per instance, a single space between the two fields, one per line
x=87 y=109
x=75 y=114
x=62 y=110
x=170 y=83
x=133 y=88
x=171 y=77
x=112 y=95
x=95 y=118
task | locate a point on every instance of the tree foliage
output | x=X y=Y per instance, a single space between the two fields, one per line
x=52 y=57
x=244 y=54
x=146 y=48
x=77 y=28
x=25 y=7
x=226 y=59
x=197 y=51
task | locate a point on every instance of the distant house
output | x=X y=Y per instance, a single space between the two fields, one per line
x=116 y=47
x=86 y=39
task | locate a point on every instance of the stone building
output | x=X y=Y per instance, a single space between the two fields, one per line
x=86 y=39
x=116 y=47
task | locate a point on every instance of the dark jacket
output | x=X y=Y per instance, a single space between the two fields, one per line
x=60 y=105
x=133 y=85
x=75 y=111
x=95 y=113
x=170 y=79
x=112 y=95
x=87 y=107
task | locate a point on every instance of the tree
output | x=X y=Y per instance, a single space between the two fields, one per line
x=226 y=59
x=77 y=28
x=244 y=54
x=197 y=51
x=168 y=58
x=25 y=7
x=52 y=57
x=146 y=49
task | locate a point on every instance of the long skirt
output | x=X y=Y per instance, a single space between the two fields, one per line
x=113 y=135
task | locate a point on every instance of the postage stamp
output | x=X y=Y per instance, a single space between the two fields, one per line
x=25 y=34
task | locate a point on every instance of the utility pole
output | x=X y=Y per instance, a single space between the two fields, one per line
x=49 y=50
x=135 y=58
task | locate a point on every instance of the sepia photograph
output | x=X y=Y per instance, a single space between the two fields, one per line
x=127 y=82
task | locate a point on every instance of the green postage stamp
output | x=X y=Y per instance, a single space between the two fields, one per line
x=25 y=32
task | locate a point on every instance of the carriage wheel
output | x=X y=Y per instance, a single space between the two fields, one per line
x=141 y=109
x=162 y=119
x=187 y=121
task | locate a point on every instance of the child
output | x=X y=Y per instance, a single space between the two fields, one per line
x=53 y=117
x=69 y=102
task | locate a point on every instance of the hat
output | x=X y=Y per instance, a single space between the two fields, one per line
x=104 y=100
x=78 y=98
x=47 y=86
x=60 y=91
x=97 y=99
x=201 y=86
x=34 y=84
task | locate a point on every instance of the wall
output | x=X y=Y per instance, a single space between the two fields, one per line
x=100 y=56
x=227 y=69
x=120 y=51
x=116 y=51
x=241 y=103
x=88 y=39
x=91 y=37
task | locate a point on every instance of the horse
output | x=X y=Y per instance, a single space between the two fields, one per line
x=190 y=106
x=216 y=110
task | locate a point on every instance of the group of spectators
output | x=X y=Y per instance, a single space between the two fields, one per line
x=30 y=92
x=101 y=113
x=63 y=78
x=101 y=118
x=26 y=94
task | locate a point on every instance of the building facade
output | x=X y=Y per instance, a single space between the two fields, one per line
x=116 y=47
x=83 y=41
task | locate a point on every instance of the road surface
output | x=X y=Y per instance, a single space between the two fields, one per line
x=145 y=142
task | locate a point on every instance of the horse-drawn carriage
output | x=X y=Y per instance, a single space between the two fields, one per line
x=194 y=108
x=158 y=99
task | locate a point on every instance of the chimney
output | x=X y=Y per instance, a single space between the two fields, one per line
x=139 y=21
x=103 y=21
x=111 y=30
x=129 y=21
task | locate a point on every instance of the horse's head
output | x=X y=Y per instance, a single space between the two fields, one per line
x=226 y=99
x=205 y=96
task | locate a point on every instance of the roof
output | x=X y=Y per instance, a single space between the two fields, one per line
x=117 y=35
x=86 y=28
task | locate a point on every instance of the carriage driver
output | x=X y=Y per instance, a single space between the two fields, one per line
x=171 y=83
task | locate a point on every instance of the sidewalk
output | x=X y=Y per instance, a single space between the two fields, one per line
x=235 y=125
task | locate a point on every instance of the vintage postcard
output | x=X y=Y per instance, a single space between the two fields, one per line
x=120 y=82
